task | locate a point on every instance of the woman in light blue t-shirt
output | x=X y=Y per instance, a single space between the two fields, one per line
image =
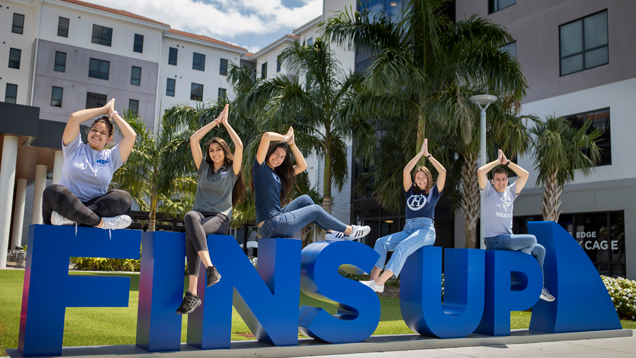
x=272 y=183
x=419 y=231
x=82 y=196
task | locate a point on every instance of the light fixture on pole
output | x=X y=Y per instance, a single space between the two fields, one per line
x=483 y=101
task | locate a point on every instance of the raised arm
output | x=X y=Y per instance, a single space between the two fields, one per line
x=195 y=146
x=482 y=173
x=238 y=144
x=72 y=129
x=441 y=171
x=268 y=137
x=406 y=173
x=301 y=165
x=522 y=174
x=126 y=145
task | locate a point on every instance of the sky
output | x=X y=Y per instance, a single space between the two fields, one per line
x=252 y=24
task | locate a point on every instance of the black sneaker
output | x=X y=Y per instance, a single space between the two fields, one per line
x=213 y=275
x=189 y=304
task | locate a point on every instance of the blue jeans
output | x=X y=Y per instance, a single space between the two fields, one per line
x=296 y=215
x=524 y=243
x=418 y=232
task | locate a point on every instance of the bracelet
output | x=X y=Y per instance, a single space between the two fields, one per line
x=291 y=145
x=428 y=156
x=507 y=163
x=113 y=112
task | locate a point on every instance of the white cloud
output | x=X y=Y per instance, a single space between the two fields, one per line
x=223 y=19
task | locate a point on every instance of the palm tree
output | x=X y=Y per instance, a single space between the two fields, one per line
x=561 y=150
x=314 y=108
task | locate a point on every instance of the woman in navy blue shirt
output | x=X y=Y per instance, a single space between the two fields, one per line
x=421 y=198
x=272 y=183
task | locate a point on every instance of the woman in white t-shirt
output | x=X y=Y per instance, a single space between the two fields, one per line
x=82 y=196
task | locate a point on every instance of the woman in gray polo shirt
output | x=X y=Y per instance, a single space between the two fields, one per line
x=220 y=187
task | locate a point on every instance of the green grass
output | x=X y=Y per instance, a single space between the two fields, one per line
x=114 y=326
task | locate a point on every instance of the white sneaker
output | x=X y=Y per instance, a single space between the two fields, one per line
x=334 y=236
x=358 y=233
x=57 y=219
x=117 y=222
x=546 y=295
x=373 y=285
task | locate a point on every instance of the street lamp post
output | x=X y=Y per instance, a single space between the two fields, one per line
x=483 y=101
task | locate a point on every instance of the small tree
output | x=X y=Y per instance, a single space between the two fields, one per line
x=560 y=150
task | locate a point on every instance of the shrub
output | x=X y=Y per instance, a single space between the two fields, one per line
x=623 y=294
x=102 y=264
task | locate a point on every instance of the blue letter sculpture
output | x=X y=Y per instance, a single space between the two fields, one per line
x=267 y=303
x=160 y=291
x=503 y=294
x=420 y=291
x=358 y=306
x=48 y=289
x=582 y=302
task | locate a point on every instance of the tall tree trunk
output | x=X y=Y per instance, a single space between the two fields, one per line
x=326 y=184
x=470 y=198
x=153 y=212
x=421 y=132
x=551 y=198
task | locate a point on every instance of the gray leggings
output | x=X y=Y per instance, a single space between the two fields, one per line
x=200 y=224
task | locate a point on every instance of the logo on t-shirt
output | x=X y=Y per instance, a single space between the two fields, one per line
x=223 y=174
x=102 y=161
x=416 y=202
x=276 y=177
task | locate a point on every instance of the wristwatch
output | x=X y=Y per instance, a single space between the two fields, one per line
x=428 y=156
x=507 y=163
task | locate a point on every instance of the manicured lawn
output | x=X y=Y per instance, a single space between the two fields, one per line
x=114 y=326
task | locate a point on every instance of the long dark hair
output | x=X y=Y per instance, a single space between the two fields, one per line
x=285 y=172
x=238 y=193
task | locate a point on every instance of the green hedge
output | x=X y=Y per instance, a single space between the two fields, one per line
x=102 y=264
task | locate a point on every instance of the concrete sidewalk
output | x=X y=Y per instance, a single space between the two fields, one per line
x=592 y=348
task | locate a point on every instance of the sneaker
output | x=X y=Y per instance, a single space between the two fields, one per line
x=373 y=285
x=57 y=219
x=117 y=222
x=213 y=275
x=189 y=304
x=358 y=233
x=546 y=296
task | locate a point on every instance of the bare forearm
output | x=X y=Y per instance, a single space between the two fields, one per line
x=438 y=166
x=410 y=165
x=198 y=135
x=235 y=138
x=522 y=173
x=126 y=130
x=86 y=114
x=301 y=164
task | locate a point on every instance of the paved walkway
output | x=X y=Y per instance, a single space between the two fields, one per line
x=592 y=348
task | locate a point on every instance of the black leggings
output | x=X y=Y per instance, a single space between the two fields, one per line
x=198 y=226
x=59 y=198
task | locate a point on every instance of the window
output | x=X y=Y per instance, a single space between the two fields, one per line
x=60 y=61
x=196 y=92
x=139 y=43
x=601 y=120
x=223 y=68
x=496 y=5
x=198 y=61
x=277 y=65
x=56 y=96
x=11 y=94
x=511 y=48
x=222 y=94
x=133 y=106
x=264 y=70
x=583 y=43
x=102 y=35
x=95 y=100
x=135 y=76
x=99 y=69
x=62 y=27
x=18 y=24
x=393 y=8
x=170 y=87
x=172 y=56
x=310 y=41
x=14 y=58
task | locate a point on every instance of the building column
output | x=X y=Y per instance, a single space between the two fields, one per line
x=7 y=183
x=40 y=184
x=57 y=166
x=18 y=212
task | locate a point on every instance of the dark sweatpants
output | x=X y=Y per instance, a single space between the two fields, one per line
x=59 y=198
x=200 y=224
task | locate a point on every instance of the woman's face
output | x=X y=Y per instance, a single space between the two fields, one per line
x=421 y=180
x=277 y=157
x=98 y=136
x=216 y=153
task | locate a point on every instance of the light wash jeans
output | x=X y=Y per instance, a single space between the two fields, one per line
x=418 y=232
x=524 y=243
x=296 y=215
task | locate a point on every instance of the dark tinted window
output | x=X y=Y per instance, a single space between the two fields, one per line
x=133 y=106
x=62 y=27
x=18 y=24
x=172 y=56
x=56 y=96
x=135 y=76
x=601 y=120
x=60 y=61
x=196 y=92
x=11 y=94
x=198 y=61
x=95 y=100
x=170 y=86
x=222 y=94
x=99 y=69
x=496 y=5
x=102 y=35
x=14 y=58
x=223 y=68
x=264 y=70
x=583 y=43
x=139 y=43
